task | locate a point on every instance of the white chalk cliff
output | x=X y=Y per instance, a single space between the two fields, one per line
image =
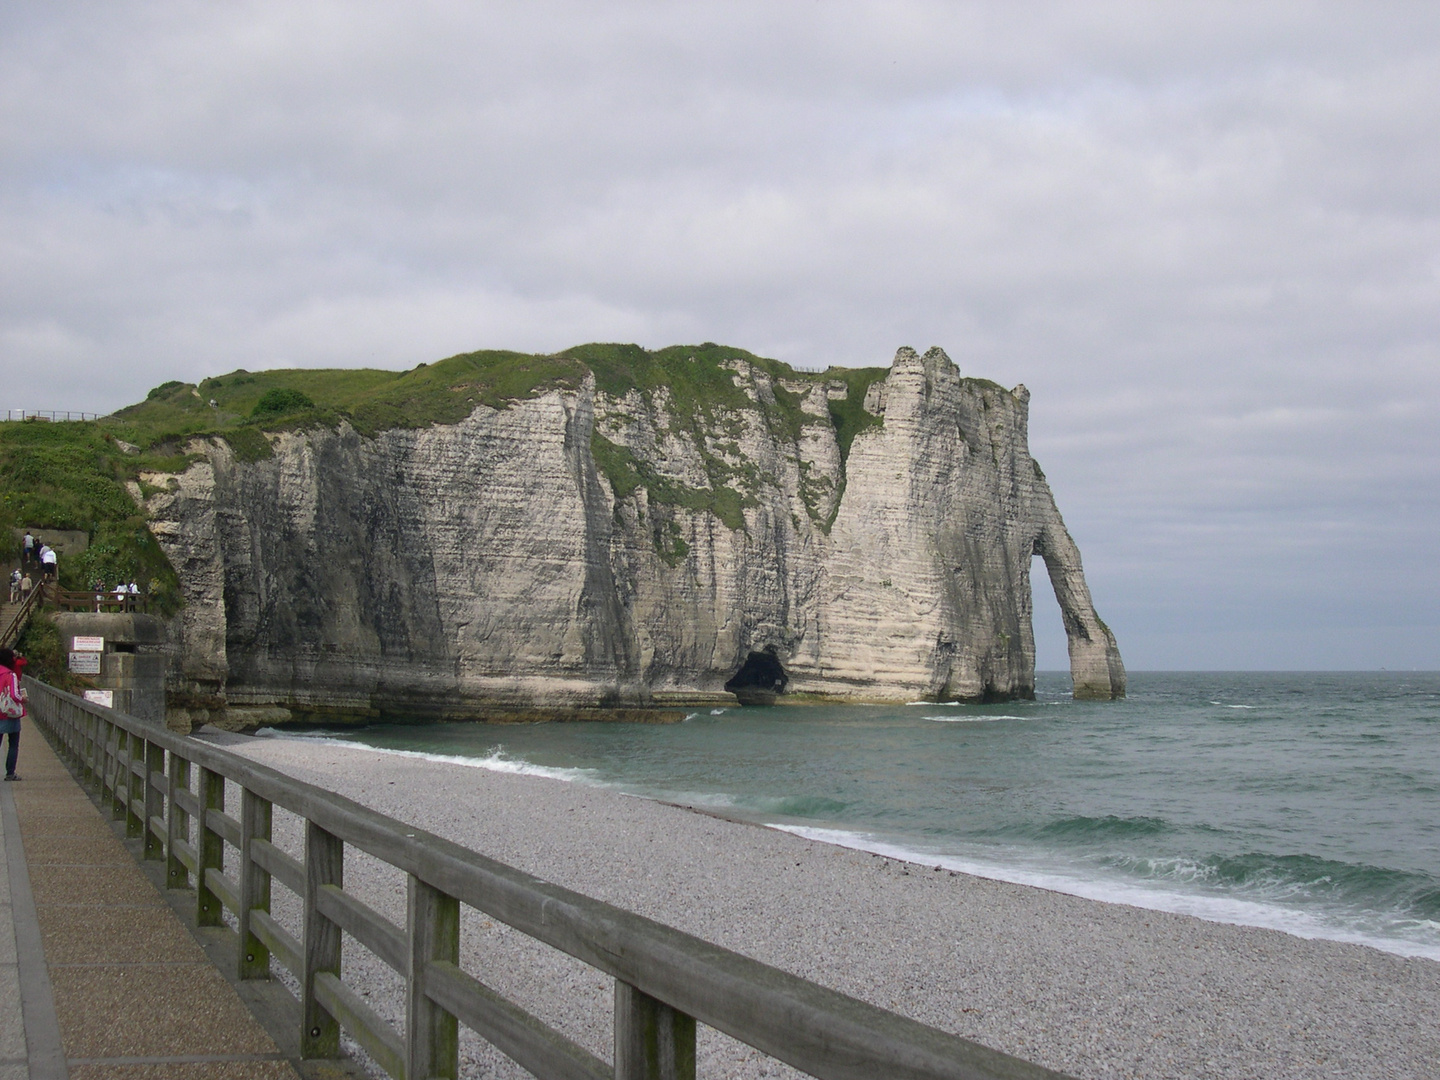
x=579 y=548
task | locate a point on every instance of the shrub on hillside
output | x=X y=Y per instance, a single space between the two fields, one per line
x=279 y=400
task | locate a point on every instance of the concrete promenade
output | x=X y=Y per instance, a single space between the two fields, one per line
x=99 y=976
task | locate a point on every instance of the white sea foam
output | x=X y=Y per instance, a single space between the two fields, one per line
x=1075 y=882
x=969 y=719
x=494 y=761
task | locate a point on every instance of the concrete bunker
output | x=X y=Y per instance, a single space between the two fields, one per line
x=760 y=680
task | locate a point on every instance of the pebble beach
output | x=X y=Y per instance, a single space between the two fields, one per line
x=1087 y=988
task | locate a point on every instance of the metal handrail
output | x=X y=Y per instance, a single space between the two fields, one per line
x=665 y=980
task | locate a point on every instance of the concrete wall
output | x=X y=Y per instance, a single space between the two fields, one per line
x=133 y=663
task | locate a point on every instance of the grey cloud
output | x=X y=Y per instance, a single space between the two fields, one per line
x=1206 y=236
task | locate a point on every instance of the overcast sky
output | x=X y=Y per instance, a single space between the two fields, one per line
x=1207 y=237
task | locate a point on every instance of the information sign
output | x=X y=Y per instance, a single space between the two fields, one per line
x=101 y=697
x=89 y=644
x=85 y=663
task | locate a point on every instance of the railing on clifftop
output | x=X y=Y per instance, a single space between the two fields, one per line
x=171 y=791
x=56 y=415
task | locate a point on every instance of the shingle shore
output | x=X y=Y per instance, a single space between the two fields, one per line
x=1089 y=988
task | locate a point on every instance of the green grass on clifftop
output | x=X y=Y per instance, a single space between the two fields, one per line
x=73 y=475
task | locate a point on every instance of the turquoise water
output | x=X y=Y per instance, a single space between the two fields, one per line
x=1306 y=802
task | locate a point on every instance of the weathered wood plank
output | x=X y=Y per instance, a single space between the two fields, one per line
x=177 y=823
x=211 y=855
x=223 y=887
x=188 y=856
x=510 y=1029
x=283 y=946
x=432 y=922
x=652 y=1040
x=363 y=1023
x=183 y=796
x=255 y=817
x=154 y=800
x=376 y=933
x=216 y=820
x=324 y=865
x=284 y=868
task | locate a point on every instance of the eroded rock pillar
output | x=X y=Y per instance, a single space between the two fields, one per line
x=1096 y=670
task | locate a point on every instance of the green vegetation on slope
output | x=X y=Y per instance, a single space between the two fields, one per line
x=72 y=475
x=372 y=401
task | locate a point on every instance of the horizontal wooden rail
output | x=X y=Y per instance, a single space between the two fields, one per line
x=376 y=933
x=289 y=871
x=665 y=980
x=279 y=941
x=511 y=1029
x=362 y=1022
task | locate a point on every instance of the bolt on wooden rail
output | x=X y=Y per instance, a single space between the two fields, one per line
x=170 y=791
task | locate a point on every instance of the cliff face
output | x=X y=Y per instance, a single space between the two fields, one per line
x=581 y=548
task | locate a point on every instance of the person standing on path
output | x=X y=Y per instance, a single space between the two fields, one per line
x=48 y=560
x=12 y=706
x=15 y=585
x=27 y=549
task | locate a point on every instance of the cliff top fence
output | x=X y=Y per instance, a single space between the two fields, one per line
x=57 y=415
x=171 y=790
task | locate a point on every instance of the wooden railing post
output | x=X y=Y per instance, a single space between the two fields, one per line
x=97 y=752
x=652 y=1040
x=134 y=827
x=255 y=816
x=209 y=910
x=177 y=823
x=115 y=742
x=154 y=798
x=432 y=1034
x=81 y=745
x=324 y=865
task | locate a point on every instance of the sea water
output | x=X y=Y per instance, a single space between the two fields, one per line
x=1304 y=802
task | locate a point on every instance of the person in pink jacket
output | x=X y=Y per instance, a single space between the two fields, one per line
x=12 y=706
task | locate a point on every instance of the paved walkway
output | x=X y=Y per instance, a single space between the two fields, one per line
x=108 y=980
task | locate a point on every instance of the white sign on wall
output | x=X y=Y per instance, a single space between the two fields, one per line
x=101 y=697
x=85 y=663
x=89 y=644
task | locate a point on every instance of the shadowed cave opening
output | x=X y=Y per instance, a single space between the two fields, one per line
x=760 y=678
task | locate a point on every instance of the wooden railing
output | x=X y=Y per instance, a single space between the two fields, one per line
x=97 y=600
x=171 y=793
x=28 y=605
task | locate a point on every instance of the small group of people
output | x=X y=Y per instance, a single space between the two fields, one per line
x=12 y=706
x=21 y=586
x=34 y=551
x=127 y=597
